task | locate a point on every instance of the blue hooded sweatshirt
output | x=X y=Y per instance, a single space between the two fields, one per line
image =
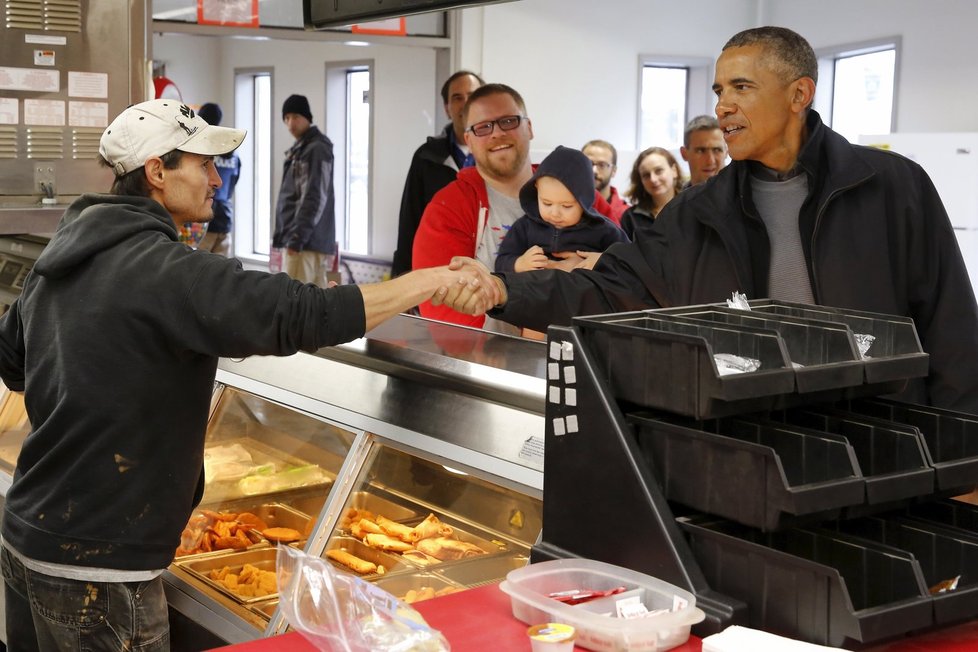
x=594 y=232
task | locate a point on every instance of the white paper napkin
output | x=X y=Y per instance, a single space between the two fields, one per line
x=744 y=639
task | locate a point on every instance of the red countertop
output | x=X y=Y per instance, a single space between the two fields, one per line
x=481 y=619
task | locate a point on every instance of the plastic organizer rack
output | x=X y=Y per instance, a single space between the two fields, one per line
x=791 y=498
x=665 y=359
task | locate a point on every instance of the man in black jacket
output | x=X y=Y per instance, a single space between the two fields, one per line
x=800 y=215
x=114 y=341
x=434 y=165
x=305 y=216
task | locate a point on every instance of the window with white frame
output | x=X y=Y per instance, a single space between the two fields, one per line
x=861 y=80
x=358 y=160
x=672 y=90
x=348 y=125
x=253 y=194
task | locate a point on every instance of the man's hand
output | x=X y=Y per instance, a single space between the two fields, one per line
x=533 y=258
x=571 y=260
x=590 y=259
x=478 y=285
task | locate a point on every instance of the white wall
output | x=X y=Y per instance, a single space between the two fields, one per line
x=576 y=63
x=938 y=66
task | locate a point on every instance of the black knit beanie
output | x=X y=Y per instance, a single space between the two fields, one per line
x=211 y=113
x=297 y=104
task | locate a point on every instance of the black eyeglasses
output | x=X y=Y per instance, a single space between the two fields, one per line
x=506 y=123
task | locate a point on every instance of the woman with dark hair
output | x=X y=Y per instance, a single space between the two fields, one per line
x=655 y=180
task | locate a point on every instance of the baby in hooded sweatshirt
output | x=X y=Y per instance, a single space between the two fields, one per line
x=560 y=215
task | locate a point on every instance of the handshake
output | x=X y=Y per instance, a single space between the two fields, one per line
x=467 y=286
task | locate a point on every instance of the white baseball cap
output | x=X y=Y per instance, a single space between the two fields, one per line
x=156 y=127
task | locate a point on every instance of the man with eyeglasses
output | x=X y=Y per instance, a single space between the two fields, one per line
x=604 y=161
x=470 y=216
x=434 y=165
x=703 y=149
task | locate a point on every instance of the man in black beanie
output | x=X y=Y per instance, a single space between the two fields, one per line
x=305 y=221
x=218 y=237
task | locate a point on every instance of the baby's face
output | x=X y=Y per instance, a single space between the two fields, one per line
x=557 y=205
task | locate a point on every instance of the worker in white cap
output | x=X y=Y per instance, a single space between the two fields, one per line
x=114 y=342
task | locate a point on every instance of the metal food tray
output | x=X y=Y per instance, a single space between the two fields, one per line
x=481 y=571
x=306 y=500
x=399 y=585
x=391 y=562
x=380 y=506
x=263 y=558
x=266 y=608
x=226 y=490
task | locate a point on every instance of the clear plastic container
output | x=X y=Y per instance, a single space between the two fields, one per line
x=529 y=587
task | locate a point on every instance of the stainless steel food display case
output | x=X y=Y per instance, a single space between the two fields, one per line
x=418 y=425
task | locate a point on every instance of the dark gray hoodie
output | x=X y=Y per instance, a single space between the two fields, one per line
x=115 y=341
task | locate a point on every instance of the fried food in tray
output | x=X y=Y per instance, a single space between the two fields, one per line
x=249 y=582
x=426 y=593
x=352 y=555
x=208 y=531
x=431 y=541
x=445 y=548
x=282 y=534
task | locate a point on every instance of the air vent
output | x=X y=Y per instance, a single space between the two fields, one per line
x=8 y=142
x=45 y=143
x=47 y=15
x=84 y=143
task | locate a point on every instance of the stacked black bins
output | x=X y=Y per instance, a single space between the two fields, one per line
x=788 y=498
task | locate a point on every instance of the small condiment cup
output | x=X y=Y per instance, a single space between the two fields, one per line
x=551 y=637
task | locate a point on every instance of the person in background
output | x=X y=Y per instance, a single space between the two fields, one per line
x=560 y=215
x=114 y=341
x=434 y=165
x=471 y=215
x=655 y=181
x=800 y=214
x=305 y=220
x=704 y=149
x=604 y=160
x=217 y=240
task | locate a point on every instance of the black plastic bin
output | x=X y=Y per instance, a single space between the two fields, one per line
x=895 y=354
x=951 y=439
x=658 y=362
x=951 y=514
x=942 y=554
x=824 y=588
x=891 y=455
x=764 y=476
x=824 y=355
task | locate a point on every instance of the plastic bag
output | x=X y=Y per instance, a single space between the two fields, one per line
x=337 y=611
x=738 y=300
